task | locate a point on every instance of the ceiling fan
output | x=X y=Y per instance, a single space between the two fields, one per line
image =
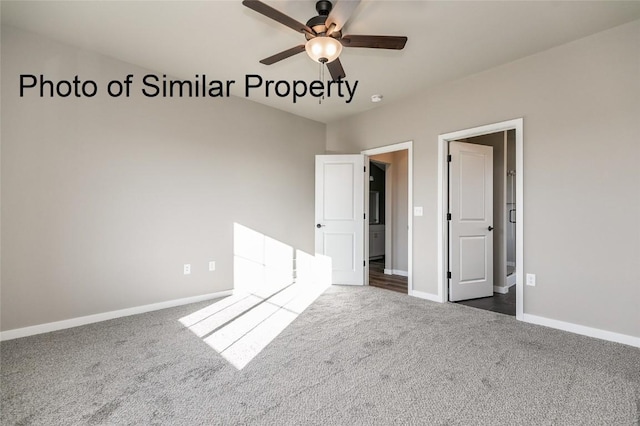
x=324 y=34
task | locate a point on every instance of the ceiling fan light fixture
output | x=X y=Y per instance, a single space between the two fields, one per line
x=323 y=49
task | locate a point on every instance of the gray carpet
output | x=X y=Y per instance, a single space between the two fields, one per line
x=356 y=356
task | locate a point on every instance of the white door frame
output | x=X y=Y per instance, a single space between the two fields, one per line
x=443 y=204
x=384 y=150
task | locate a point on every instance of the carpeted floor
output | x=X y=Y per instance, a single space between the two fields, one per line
x=357 y=356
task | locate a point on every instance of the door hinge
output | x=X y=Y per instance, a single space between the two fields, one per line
x=449 y=158
x=448 y=216
x=365 y=215
x=364 y=263
x=449 y=274
x=365 y=169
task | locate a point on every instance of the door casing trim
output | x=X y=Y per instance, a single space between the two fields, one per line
x=443 y=204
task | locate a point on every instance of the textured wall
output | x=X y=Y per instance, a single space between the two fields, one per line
x=580 y=103
x=105 y=199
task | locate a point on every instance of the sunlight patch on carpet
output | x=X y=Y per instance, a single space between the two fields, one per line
x=271 y=288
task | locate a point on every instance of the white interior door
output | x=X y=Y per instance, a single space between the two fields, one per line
x=340 y=182
x=471 y=223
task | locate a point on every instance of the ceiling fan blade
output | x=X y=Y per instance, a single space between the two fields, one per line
x=283 y=55
x=340 y=14
x=278 y=16
x=336 y=70
x=374 y=42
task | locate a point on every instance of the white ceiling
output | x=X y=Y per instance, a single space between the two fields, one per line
x=225 y=40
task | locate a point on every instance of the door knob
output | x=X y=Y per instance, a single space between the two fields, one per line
x=490 y=228
x=319 y=226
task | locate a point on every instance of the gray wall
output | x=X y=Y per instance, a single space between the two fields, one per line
x=580 y=103
x=104 y=200
x=400 y=169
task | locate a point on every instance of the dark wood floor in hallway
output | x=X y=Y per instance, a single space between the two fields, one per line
x=377 y=278
x=502 y=303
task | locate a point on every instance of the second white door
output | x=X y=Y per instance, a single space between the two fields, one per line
x=471 y=221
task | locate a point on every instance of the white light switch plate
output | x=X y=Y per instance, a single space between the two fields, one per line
x=212 y=266
x=418 y=211
x=187 y=268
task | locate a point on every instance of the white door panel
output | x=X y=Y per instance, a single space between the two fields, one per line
x=340 y=247
x=472 y=186
x=471 y=224
x=340 y=215
x=473 y=259
x=339 y=203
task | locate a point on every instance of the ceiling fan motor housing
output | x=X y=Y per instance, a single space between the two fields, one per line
x=317 y=23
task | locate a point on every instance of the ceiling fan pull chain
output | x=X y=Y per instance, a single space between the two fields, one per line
x=321 y=78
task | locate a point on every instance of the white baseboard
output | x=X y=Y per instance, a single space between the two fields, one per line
x=583 y=330
x=90 y=319
x=396 y=272
x=511 y=281
x=426 y=296
x=501 y=290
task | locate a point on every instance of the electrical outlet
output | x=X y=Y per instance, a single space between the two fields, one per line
x=418 y=211
x=187 y=268
x=212 y=266
x=531 y=280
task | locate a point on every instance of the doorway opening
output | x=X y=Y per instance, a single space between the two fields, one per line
x=387 y=197
x=389 y=219
x=470 y=267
